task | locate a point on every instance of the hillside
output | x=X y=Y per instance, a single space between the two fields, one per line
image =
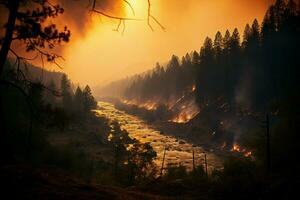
x=35 y=73
x=51 y=183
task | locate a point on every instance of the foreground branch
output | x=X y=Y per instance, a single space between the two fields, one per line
x=122 y=19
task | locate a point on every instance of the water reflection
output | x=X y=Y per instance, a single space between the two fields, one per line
x=178 y=151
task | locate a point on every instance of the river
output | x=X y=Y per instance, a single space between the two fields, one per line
x=177 y=151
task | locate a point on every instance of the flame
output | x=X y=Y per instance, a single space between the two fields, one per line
x=239 y=149
x=149 y=105
x=129 y=147
x=248 y=154
x=193 y=88
x=185 y=116
x=182 y=119
x=110 y=137
x=236 y=148
x=187 y=111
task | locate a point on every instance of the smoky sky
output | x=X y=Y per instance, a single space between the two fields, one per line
x=76 y=17
x=77 y=12
x=90 y=56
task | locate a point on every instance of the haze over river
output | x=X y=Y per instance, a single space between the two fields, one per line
x=178 y=151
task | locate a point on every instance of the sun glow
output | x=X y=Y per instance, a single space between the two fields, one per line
x=101 y=55
x=136 y=8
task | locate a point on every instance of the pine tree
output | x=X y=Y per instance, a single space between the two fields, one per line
x=88 y=99
x=195 y=59
x=255 y=34
x=246 y=36
x=78 y=100
x=226 y=41
x=207 y=49
x=218 y=44
x=66 y=92
x=235 y=41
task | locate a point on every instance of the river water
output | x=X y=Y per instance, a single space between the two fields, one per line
x=177 y=151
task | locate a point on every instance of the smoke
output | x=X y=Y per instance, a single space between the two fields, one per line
x=77 y=13
x=77 y=17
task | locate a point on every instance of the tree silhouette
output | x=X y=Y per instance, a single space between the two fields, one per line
x=26 y=24
x=66 y=92
x=88 y=99
x=78 y=100
x=49 y=97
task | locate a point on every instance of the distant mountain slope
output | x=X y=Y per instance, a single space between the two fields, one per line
x=35 y=73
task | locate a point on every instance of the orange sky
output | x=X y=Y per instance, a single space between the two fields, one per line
x=100 y=55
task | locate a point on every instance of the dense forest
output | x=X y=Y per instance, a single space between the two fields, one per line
x=33 y=102
x=237 y=99
x=244 y=85
x=248 y=70
x=50 y=128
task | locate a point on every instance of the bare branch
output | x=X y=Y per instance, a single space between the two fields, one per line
x=149 y=14
x=124 y=27
x=123 y=19
x=51 y=57
x=115 y=17
x=129 y=4
x=119 y=24
x=161 y=26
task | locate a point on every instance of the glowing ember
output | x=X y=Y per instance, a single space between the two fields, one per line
x=184 y=117
x=236 y=148
x=248 y=154
x=110 y=137
x=239 y=149
x=185 y=109
x=149 y=105
x=193 y=88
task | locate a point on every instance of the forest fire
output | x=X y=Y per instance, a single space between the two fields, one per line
x=185 y=109
x=185 y=116
x=237 y=148
x=182 y=119
x=149 y=105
